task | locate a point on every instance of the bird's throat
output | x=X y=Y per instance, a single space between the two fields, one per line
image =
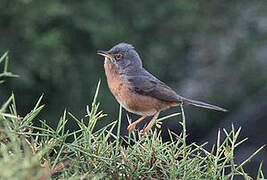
x=112 y=73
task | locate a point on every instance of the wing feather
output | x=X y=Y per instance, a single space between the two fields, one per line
x=148 y=86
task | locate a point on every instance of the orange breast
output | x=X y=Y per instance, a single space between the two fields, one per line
x=131 y=101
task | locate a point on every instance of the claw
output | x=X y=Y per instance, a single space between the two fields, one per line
x=131 y=127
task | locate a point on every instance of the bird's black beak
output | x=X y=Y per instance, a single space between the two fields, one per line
x=105 y=54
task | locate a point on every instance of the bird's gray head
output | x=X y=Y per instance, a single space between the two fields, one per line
x=124 y=56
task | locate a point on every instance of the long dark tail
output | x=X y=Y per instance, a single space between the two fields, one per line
x=203 y=105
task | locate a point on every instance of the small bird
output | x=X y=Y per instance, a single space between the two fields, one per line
x=137 y=90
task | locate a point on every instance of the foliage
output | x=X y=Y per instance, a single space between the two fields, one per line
x=213 y=51
x=30 y=152
x=5 y=73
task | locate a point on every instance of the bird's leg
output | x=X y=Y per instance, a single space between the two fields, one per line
x=150 y=124
x=131 y=127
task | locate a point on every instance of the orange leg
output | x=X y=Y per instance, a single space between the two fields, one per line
x=131 y=127
x=150 y=124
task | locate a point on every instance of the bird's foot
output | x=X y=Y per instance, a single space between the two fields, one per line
x=142 y=133
x=150 y=124
x=131 y=127
x=144 y=130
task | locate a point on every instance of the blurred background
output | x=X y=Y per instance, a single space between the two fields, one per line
x=214 y=51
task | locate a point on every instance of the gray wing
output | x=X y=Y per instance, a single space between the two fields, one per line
x=145 y=83
x=151 y=86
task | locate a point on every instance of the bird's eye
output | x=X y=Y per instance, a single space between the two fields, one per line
x=118 y=56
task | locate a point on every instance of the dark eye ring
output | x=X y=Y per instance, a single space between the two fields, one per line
x=118 y=56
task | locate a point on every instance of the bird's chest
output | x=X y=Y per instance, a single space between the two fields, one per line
x=117 y=84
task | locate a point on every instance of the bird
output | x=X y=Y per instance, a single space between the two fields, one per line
x=137 y=90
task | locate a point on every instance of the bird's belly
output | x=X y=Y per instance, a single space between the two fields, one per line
x=131 y=101
x=138 y=104
x=134 y=102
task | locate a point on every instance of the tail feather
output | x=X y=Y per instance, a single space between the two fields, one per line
x=203 y=105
